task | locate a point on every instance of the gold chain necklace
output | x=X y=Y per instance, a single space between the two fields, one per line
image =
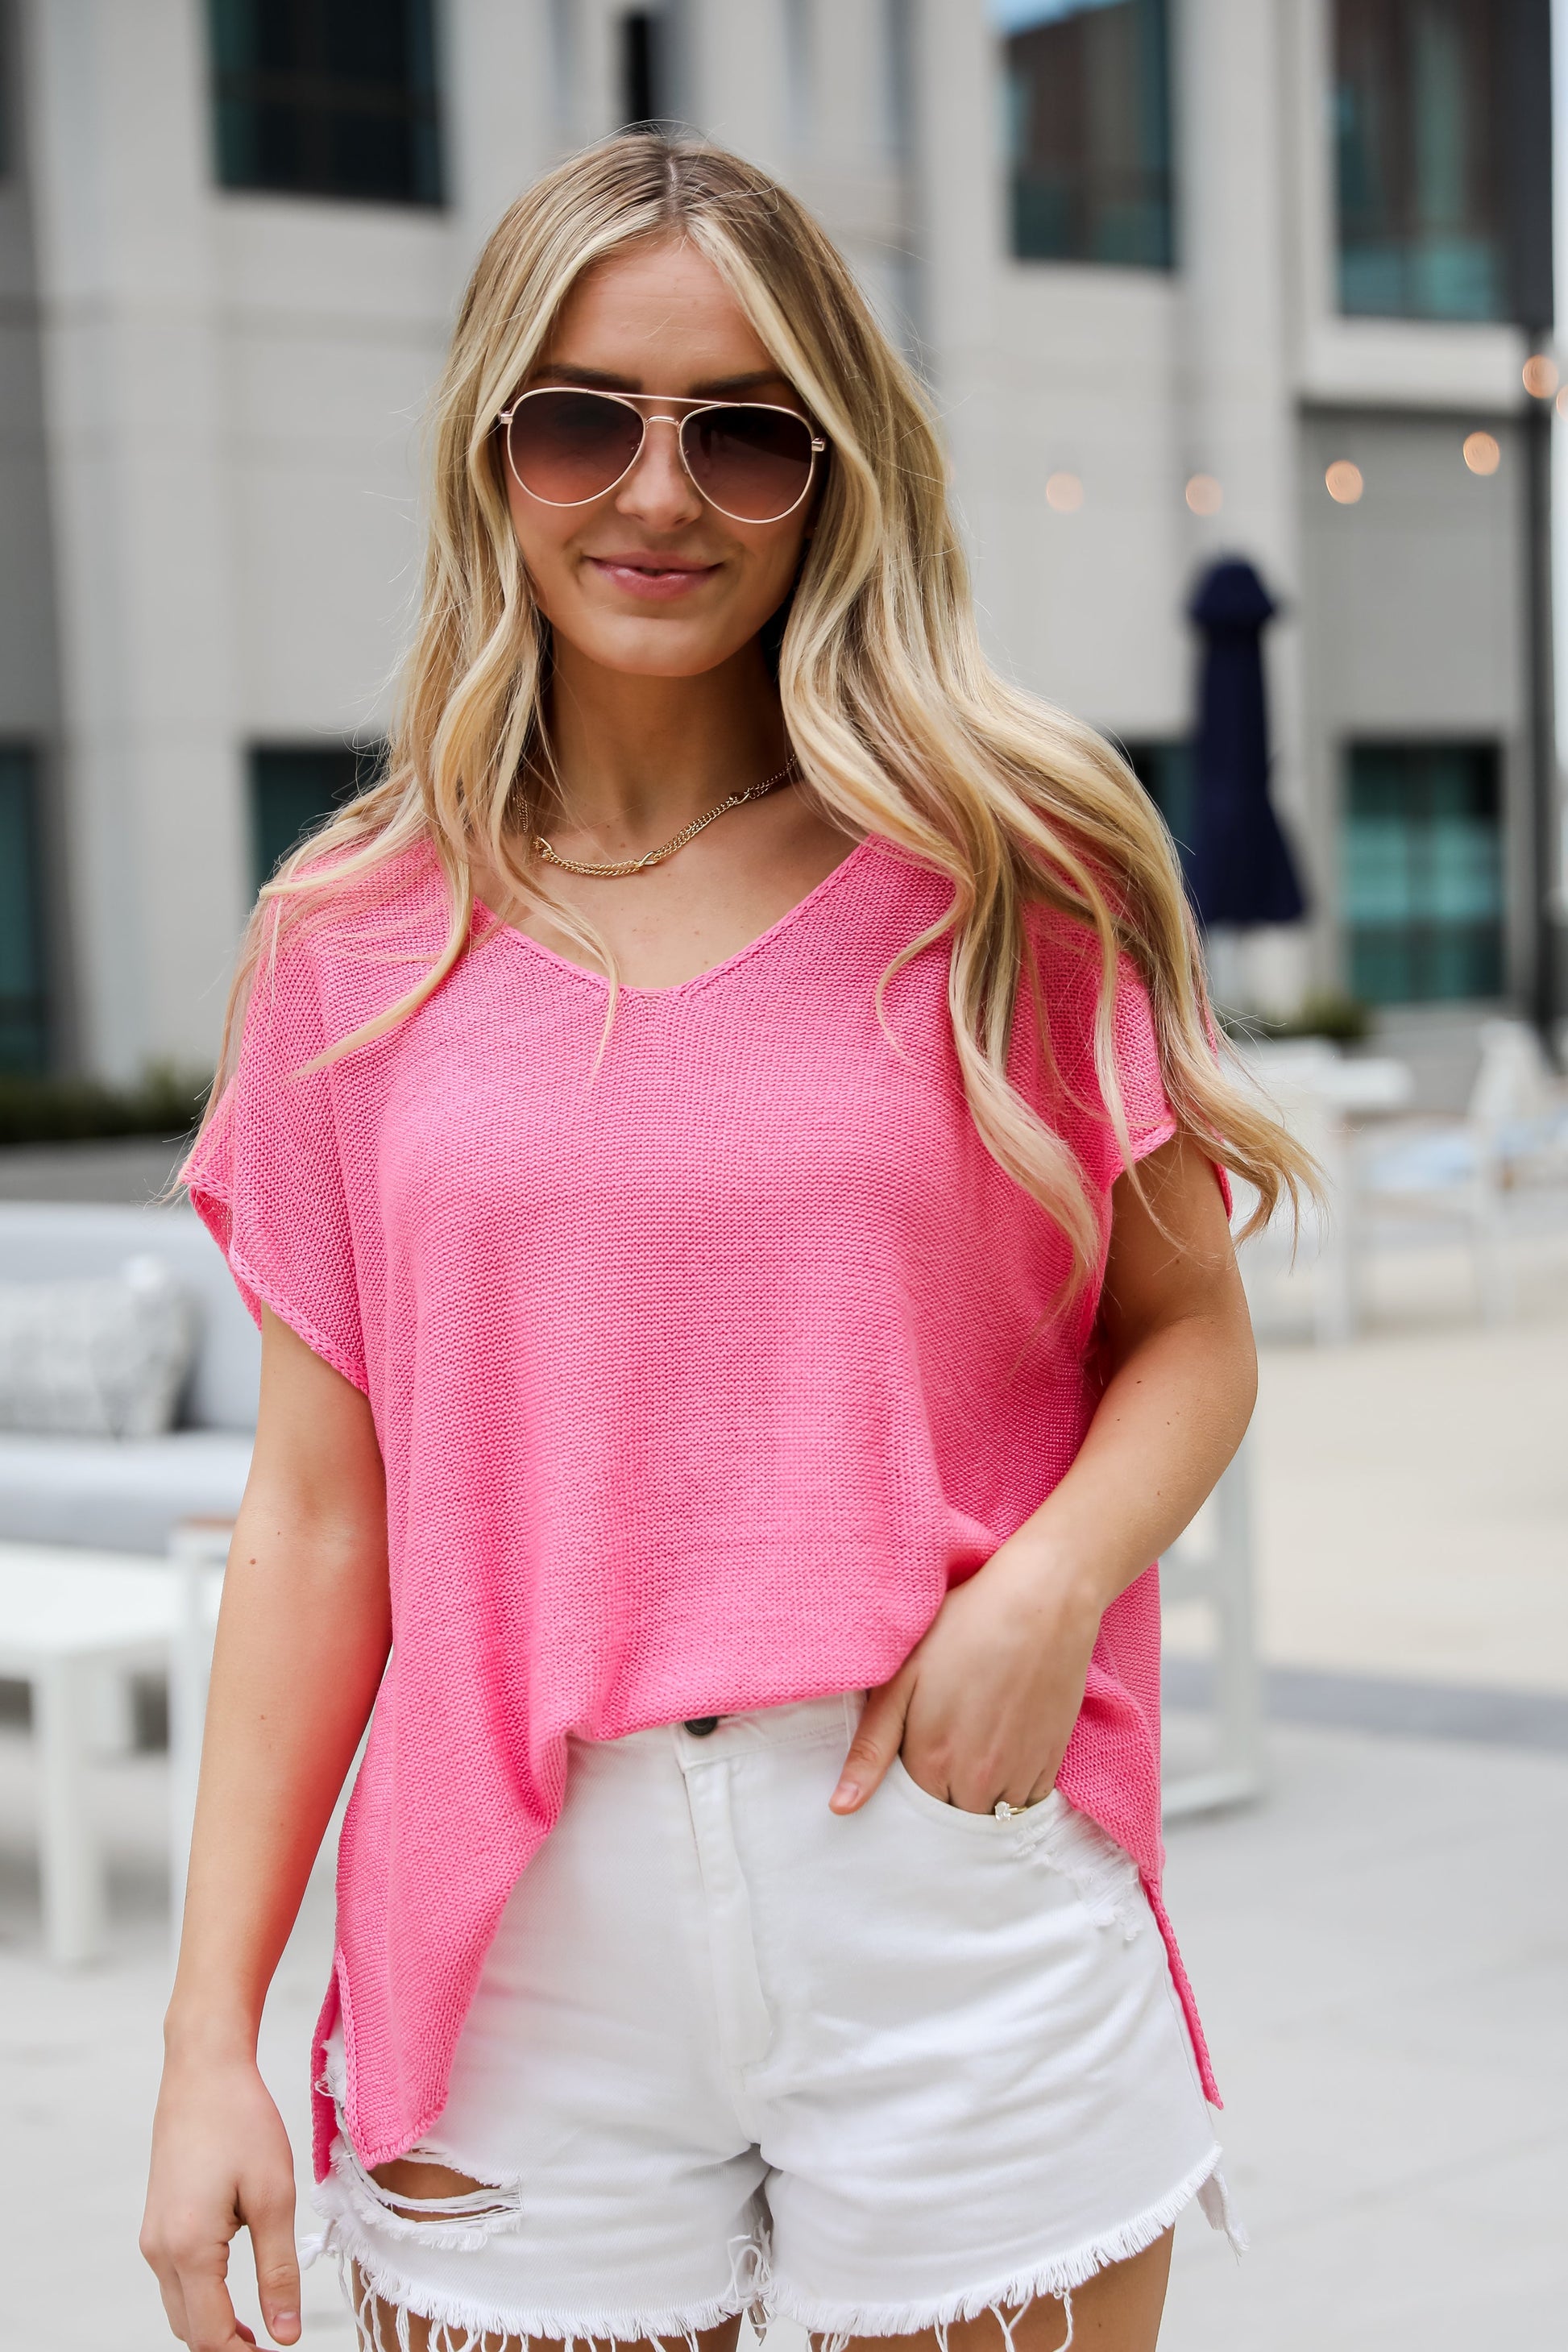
x=657 y=856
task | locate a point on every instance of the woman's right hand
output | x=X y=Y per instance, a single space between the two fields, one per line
x=221 y=2162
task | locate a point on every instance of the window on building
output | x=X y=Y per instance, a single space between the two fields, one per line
x=1165 y=772
x=1088 y=103
x=294 y=788
x=644 y=93
x=24 y=983
x=6 y=80
x=327 y=98
x=1423 y=874
x=1428 y=130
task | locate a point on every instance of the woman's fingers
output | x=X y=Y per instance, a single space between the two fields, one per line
x=875 y=1742
x=210 y=2322
x=270 y=2216
x=173 y=2301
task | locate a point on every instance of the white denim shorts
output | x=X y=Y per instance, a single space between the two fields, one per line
x=730 y=2051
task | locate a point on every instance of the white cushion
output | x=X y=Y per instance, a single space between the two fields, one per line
x=117 y=1496
x=60 y=1242
x=94 y=1358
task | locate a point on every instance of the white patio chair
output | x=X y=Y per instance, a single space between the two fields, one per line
x=1472 y=1176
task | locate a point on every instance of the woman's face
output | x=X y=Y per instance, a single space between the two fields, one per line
x=650 y=579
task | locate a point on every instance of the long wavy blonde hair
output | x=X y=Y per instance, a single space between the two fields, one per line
x=900 y=726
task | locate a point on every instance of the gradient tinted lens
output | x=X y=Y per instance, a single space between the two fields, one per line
x=753 y=463
x=569 y=446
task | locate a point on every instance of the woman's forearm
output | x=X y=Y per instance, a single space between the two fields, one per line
x=1182 y=1377
x=1170 y=1419
x=302 y=1640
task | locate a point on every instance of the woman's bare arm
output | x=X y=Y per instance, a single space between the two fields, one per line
x=983 y=1705
x=302 y=1640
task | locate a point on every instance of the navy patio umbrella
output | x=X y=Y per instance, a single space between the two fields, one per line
x=1240 y=872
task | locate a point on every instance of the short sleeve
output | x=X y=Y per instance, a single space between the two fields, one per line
x=266 y=1174
x=1135 y=1052
x=1065 y=1084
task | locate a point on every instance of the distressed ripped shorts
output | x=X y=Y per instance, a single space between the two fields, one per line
x=732 y=2052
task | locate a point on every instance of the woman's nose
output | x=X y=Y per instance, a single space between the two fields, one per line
x=659 y=490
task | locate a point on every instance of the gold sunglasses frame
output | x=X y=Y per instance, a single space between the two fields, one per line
x=694 y=407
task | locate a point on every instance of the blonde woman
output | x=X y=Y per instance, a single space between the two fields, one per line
x=722 y=1144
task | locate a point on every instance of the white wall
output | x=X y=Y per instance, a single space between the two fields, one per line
x=143 y=536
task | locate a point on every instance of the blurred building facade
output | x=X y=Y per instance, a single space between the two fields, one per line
x=1187 y=278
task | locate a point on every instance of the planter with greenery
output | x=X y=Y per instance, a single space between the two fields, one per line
x=165 y=1102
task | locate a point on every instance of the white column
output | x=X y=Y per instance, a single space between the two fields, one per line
x=1560 y=429
x=1235 y=132
x=119 y=123
x=849 y=159
x=956 y=173
x=736 y=68
x=505 y=89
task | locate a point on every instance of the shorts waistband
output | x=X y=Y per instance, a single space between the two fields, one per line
x=799 y=1723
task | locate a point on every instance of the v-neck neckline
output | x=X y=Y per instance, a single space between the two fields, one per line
x=495 y=926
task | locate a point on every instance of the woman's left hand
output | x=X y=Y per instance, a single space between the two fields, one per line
x=983 y=1705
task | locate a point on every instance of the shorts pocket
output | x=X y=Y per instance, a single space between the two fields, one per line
x=1029 y=1824
x=1102 y=1874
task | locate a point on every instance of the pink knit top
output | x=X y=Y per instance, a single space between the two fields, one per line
x=700 y=1376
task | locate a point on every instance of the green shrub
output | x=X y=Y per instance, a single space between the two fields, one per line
x=1327 y=1013
x=165 y=1102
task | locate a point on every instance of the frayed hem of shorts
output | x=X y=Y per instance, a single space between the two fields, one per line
x=1055 y=2277
x=457 y=2325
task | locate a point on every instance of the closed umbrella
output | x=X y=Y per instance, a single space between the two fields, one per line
x=1241 y=872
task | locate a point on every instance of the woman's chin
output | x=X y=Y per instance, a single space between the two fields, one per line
x=649 y=647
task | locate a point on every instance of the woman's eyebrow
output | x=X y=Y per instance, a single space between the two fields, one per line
x=716 y=387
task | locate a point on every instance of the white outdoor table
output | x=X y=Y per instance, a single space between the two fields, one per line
x=65 y=1617
x=1365 y=1082
x=68 y=1617
x=1373 y=1083
x=1318 y=1092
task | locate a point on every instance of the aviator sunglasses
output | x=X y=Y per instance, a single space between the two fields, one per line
x=753 y=462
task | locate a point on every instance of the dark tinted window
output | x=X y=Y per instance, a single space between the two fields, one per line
x=327 y=98
x=1089 y=129
x=644 y=96
x=1165 y=772
x=1422 y=872
x=1423 y=121
x=24 y=989
x=296 y=787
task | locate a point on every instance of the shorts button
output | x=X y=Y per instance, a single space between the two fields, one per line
x=700 y=1725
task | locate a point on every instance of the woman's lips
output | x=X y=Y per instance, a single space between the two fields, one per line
x=655 y=582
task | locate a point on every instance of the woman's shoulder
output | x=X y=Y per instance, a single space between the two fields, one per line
x=355 y=931
x=1068 y=959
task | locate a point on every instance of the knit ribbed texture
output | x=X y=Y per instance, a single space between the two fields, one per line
x=699 y=1375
